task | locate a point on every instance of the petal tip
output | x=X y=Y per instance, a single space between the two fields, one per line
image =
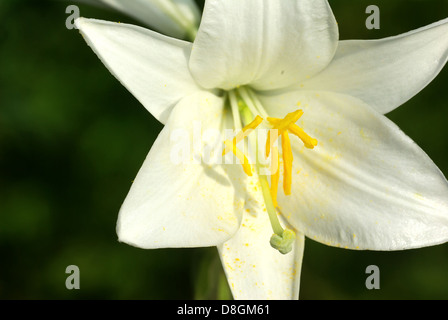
x=80 y=22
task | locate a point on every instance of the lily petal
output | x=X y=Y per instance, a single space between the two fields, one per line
x=269 y=44
x=388 y=72
x=366 y=185
x=182 y=203
x=153 y=67
x=169 y=17
x=253 y=268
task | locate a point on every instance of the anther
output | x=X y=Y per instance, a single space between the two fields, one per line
x=231 y=145
x=281 y=127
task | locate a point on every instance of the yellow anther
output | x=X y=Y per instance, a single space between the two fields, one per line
x=309 y=142
x=275 y=175
x=240 y=155
x=270 y=140
x=283 y=124
x=254 y=124
x=281 y=127
x=287 y=163
x=289 y=122
x=231 y=145
x=243 y=133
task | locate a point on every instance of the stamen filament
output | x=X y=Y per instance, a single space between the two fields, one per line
x=245 y=96
x=258 y=105
x=235 y=111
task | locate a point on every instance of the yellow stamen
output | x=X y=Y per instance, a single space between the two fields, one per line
x=283 y=124
x=243 y=159
x=287 y=163
x=294 y=129
x=243 y=133
x=282 y=127
x=254 y=124
x=309 y=142
x=275 y=175
x=231 y=145
x=270 y=140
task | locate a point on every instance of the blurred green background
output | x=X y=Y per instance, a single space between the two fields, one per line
x=72 y=139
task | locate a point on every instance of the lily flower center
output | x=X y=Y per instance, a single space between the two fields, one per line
x=247 y=110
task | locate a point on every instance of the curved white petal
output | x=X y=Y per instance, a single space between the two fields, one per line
x=170 y=17
x=269 y=44
x=151 y=66
x=255 y=270
x=386 y=73
x=175 y=200
x=366 y=185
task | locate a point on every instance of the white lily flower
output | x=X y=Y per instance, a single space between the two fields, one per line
x=176 y=18
x=356 y=181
